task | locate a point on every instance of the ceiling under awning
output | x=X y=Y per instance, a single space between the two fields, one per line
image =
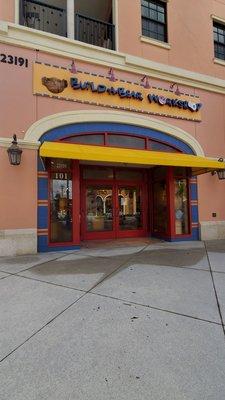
x=129 y=157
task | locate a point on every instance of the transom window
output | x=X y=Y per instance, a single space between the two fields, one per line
x=219 y=40
x=120 y=140
x=154 y=24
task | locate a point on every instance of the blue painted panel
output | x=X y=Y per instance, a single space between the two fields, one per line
x=41 y=166
x=63 y=131
x=42 y=189
x=194 y=213
x=43 y=246
x=42 y=243
x=194 y=191
x=42 y=217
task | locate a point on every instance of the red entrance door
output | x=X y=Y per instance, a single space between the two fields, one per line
x=113 y=209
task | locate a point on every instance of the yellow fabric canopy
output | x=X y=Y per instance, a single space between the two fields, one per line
x=199 y=165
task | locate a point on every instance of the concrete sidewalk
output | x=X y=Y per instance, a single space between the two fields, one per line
x=126 y=320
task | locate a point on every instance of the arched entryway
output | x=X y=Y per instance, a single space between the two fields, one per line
x=95 y=200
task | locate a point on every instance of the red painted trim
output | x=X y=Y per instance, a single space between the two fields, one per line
x=170 y=203
x=76 y=202
x=114 y=184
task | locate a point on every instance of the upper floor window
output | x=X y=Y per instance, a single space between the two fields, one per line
x=154 y=24
x=219 y=40
x=84 y=21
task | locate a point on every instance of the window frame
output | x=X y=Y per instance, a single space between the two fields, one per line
x=218 y=25
x=162 y=4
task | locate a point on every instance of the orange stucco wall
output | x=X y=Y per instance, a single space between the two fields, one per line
x=20 y=108
x=7 y=10
x=190 y=34
x=18 y=191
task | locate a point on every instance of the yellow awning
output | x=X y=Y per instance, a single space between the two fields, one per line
x=199 y=165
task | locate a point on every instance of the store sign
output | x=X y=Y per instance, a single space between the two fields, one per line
x=91 y=89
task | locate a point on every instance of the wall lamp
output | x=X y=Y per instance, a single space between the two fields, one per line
x=177 y=91
x=111 y=75
x=145 y=82
x=73 y=68
x=14 y=152
x=220 y=172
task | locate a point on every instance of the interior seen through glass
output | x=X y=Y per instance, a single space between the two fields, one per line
x=61 y=207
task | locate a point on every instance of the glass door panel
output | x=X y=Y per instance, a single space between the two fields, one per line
x=99 y=209
x=130 y=212
x=160 y=211
x=181 y=207
x=61 y=207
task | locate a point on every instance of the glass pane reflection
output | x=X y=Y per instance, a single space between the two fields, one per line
x=130 y=214
x=99 y=214
x=160 y=207
x=181 y=207
x=61 y=207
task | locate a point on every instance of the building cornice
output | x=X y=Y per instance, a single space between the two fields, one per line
x=17 y=35
x=25 y=144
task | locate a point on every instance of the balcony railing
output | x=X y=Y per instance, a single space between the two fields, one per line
x=44 y=17
x=47 y=18
x=94 y=31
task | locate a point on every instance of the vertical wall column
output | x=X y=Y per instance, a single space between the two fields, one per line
x=70 y=19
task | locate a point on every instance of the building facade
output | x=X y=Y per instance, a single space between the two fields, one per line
x=119 y=110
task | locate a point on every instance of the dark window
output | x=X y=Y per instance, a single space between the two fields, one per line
x=219 y=40
x=86 y=139
x=126 y=141
x=154 y=24
x=158 y=146
x=120 y=140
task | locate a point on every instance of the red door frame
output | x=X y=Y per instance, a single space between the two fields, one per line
x=115 y=232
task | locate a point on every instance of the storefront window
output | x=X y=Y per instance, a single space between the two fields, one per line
x=181 y=207
x=97 y=173
x=60 y=203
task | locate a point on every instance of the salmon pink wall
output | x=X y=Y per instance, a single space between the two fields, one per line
x=18 y=187
x=7 y=10
x=190 y=34
x=20 y=109
x=211 y=195
x=17 y=103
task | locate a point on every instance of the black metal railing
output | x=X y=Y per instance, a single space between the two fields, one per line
x=38 y=15
x=94 y=31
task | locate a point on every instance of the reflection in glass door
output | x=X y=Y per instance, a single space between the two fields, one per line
x=99 y=209
x=61 y=207
x=130 y=213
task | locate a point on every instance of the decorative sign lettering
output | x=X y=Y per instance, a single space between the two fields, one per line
x=91 y=89
x=19 y=61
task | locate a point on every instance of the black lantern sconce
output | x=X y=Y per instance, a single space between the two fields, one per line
x=14 y=152
x=220 y=172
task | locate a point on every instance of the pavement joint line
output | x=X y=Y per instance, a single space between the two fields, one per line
x=55 y=317
x=116 y=298
x=3 y=277
x=216 y=295
x=213 y=271
x=41 y=328
x=156 y=308
x=49 y=283
x=44 y=262
x=89 y=292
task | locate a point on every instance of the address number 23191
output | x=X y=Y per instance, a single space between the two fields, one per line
x=9 y=59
